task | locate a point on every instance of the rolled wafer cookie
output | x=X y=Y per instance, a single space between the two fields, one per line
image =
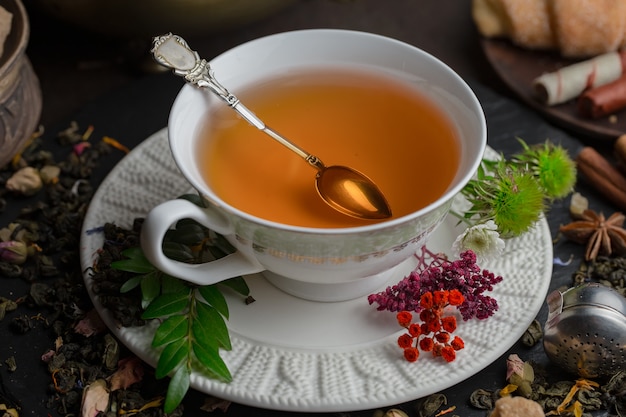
x=569 y=82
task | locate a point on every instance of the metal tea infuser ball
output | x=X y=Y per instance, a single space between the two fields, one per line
x=585 y=332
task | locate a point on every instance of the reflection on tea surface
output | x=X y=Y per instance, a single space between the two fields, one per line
x=382 y=127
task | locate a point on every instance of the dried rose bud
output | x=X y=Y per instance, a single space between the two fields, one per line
x=95 y=399
x=25 y=181
x=521 y=374
x=50 y=174
x=80 y=147
x=14 y=252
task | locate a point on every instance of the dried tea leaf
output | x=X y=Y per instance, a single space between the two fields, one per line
x=533 y=334
x=213 y=403
x=590 y=399
x=111 y=352
x=430 y=405
x=42 y=294
x=49 y=174
x=483 y=399
x=616 y=384
x=560 y=389
x=620 y=408
x=6 y=305
x=9 y=270
x=11 y=363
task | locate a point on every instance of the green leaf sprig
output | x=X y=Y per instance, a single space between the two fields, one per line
x=192 y=329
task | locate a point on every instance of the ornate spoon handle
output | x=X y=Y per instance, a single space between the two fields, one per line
x=173 y=52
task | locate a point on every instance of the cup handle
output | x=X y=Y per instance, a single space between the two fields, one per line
x=159 y=220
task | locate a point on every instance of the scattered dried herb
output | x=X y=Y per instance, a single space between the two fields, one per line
x=81 y=354
x=564 y=398
x=607 y=270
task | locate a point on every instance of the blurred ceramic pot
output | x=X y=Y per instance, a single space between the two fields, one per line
x=20 y=95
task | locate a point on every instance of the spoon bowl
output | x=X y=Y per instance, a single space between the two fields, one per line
x=351 y=192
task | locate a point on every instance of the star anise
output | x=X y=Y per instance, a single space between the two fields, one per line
x=601 y=235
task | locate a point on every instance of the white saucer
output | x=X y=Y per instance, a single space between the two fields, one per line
x=297 y=355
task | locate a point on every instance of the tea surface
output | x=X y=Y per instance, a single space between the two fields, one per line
x=368 y=121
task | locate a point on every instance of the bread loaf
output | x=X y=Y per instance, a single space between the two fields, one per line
x=575 y=28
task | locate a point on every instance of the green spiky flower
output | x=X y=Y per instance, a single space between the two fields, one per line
x=552 y=166
x=514 y=193
x=512 y=198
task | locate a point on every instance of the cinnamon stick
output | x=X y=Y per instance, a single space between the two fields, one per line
x=605 y=178
x=620 y=153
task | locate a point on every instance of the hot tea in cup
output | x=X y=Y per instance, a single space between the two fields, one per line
x=381 y=106
x=373 y=122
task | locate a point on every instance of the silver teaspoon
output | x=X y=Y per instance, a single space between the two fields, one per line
x=342 y=188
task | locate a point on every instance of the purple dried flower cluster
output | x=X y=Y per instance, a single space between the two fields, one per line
x=441 y=274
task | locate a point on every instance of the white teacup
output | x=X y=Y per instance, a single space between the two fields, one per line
x=316 y=264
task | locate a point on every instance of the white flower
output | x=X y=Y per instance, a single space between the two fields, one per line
x=483 y=239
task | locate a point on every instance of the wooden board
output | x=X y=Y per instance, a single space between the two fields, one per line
x=519 y=67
